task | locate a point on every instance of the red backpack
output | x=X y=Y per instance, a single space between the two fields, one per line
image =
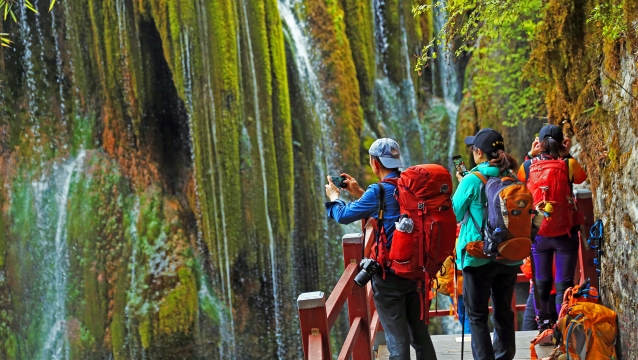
x=423 y=193
x=549 y=182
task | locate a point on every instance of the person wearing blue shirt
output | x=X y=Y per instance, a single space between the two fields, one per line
x=396 y=299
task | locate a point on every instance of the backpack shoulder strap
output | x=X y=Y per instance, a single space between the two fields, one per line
x=468 y=214
x=381 y=209
x=526 y=166
x=571 y=180
x=480 y=176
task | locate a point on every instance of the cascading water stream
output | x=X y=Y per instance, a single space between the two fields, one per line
x=313 y=94
x=29 y=73
x=449 y=81
x=262 y=161
x=132 y=291
x=228 y=336
x=56 y=344
x=396 y=103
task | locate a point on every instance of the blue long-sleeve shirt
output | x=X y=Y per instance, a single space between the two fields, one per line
x=368 y=206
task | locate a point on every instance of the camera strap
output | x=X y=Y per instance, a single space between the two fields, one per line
x=380 y=218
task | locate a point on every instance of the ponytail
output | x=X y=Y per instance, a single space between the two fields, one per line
x=551 y=147
x=503 y=161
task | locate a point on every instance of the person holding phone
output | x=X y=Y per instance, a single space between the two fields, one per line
x=551 y=248
x=396 y=299
x=483 y=277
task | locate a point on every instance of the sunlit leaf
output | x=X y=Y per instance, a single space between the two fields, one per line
x=51 y=6
x=29 y=6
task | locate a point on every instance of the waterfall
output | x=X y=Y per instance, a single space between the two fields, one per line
x=449 y=81
x=59 y=71
x=132 y=294
x=228 y=333
x=396 y=102
x=56 y=346
x=313 y=93
x=29 y=74
x=294 y=30
x=264 y=179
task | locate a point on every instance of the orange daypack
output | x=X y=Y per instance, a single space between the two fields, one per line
x=588 y=332
x=588 y=324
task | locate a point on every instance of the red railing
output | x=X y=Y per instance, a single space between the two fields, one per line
x=317 y=316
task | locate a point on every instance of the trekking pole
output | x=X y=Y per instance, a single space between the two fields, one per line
x=463 y=332
x=596 y=233
x=457 y=311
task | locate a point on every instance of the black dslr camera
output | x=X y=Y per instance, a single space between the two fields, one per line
x=369 y=267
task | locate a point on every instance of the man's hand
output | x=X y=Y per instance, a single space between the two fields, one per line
x=536 y=148
x=332 y=192
x=459 y=177
x=352 y=186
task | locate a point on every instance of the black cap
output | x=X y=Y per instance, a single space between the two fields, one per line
x=488 y=140
x=552 y=131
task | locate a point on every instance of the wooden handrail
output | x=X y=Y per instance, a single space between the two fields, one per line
x=340 y=293
x=348 y=345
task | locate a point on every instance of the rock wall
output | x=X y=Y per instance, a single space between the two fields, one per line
x=584 y=60
x=163 y=166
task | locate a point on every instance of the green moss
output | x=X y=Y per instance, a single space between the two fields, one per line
x=11 y=347
x=281 y=113
x=3 y=230
x=360 y=31
x=393 y=34
x=179 y=308
x=145 y=332
x=83 y=133
x=340 y=82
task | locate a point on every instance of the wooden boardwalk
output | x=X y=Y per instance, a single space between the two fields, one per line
x=448 y=347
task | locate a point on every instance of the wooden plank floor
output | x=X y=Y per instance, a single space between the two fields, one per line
x=448 y=347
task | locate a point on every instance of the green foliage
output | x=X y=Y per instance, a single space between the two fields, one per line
x=7 y=6
x=610 y=18
x=497 y=33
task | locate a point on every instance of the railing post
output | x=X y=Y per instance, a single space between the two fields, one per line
x=314 y=322
x=357 y=299
x=586 y=257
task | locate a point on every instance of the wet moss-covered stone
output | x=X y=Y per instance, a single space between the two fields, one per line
x=178 y=309
x=360 y=31
x=338 y=80
x=579 y=72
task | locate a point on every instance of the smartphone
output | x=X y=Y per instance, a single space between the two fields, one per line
x=459 y=164
x=339 y=181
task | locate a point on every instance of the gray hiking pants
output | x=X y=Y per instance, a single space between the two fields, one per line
x=399 y=308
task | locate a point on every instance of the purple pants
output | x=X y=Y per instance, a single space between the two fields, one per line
x=563 y=249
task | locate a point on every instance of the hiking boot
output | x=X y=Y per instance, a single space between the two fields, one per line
x=544 y=325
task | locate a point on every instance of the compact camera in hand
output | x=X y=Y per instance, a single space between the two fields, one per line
x=369 y=267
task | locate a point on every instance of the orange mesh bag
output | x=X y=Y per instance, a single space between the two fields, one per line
x=576 y=294
x=587 y=332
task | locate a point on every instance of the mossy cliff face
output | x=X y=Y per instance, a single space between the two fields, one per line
x=148 y=170
x=590 y=80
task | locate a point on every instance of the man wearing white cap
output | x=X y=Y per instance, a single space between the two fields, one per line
x=396 y=299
